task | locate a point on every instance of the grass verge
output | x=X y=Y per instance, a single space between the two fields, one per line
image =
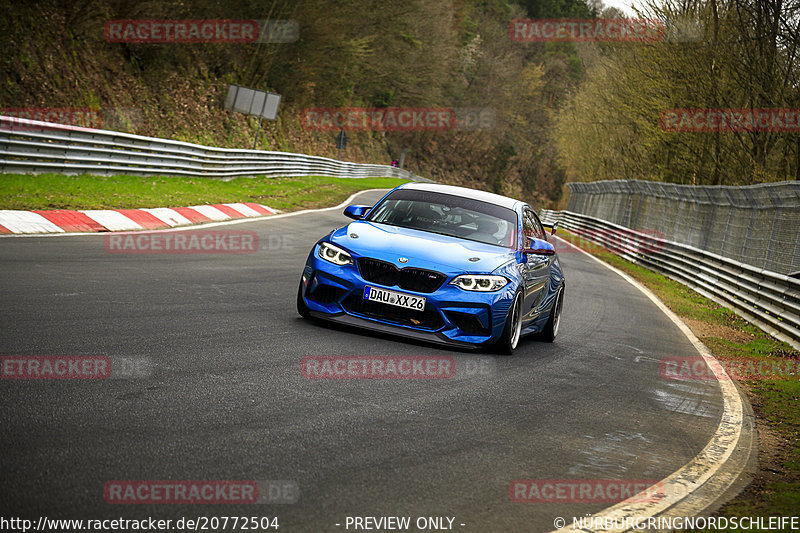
x=58 y=191
x=775 y=490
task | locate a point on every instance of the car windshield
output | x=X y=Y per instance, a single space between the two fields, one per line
x=447 y=214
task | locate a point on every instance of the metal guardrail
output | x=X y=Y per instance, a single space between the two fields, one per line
x=31 y=146
x=765 y=298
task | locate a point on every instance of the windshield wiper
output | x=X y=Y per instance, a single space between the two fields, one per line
x=438 y=233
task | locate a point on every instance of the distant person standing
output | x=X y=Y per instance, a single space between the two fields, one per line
x=394 y=162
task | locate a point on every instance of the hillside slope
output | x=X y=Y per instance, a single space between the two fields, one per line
x=360 y=53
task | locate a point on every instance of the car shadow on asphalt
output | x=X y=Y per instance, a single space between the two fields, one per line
x=365 y=332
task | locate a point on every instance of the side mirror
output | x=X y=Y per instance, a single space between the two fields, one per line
x=539 y=247
x=553 y=227
x=356 y=212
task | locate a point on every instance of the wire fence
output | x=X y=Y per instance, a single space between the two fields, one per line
x=758 y=225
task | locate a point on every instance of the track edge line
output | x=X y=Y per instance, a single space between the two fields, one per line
x=700 y=471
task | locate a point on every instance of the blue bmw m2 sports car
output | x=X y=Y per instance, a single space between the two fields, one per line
x=439 y=263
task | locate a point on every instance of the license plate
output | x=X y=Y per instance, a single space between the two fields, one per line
x=399 y=299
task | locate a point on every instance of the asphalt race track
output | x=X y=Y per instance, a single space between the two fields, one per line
x=225 y=398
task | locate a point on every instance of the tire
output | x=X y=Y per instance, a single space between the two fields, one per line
x=302 y=308
x=550 y=330
x=513 y=329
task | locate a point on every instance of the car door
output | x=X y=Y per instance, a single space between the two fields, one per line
x=536 y=273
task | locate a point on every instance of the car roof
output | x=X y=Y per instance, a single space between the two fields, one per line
x=488 y=197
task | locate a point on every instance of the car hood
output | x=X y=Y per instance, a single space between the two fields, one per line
x=422 y=249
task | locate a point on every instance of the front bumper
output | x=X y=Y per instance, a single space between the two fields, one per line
x=452 y=315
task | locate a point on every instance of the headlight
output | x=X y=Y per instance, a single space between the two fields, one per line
x=472 y=282
x=334 y=254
